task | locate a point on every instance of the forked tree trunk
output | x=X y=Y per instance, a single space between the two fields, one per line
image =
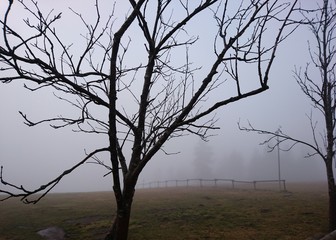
x=119 y=229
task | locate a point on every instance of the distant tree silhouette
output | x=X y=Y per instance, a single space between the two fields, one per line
x=202 y=160
x=321 y=91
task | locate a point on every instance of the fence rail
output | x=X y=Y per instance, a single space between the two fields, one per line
x=260 y=184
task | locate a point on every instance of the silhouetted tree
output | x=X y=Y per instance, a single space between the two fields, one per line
x=138 y=71
x=320 y=89
x=202 y=160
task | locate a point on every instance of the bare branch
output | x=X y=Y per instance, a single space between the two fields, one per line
x=282 y=138
x=25 y=194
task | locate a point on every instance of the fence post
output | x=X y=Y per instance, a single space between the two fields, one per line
x=232 y=183
x=255 y=185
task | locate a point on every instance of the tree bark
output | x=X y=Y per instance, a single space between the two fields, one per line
x=119 y=229
x=332 y=197
x=332 y=210
x=332 y=194
x=120 y=225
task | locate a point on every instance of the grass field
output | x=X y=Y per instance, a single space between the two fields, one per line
x=177 y=213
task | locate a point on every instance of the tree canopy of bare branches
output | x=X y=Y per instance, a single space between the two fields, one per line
x=142 y=70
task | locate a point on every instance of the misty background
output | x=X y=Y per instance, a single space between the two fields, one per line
x=32 y=156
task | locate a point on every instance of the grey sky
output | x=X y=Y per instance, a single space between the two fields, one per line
x=31 y=156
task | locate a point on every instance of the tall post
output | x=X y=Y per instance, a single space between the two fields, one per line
x=279 y=167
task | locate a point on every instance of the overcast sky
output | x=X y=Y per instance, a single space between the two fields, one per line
x=31 y=156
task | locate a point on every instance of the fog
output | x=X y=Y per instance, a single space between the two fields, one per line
x=32 y=156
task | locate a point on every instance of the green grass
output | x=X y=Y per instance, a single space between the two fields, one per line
x=174 y=213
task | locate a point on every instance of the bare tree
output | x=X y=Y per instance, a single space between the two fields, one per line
x=149 y=96
x=320 y=90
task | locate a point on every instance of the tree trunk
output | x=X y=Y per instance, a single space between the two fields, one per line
x=119 y=229
x=332 y=197
x=332 y=209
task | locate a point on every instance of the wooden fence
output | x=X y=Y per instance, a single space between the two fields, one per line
x=217 y=182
